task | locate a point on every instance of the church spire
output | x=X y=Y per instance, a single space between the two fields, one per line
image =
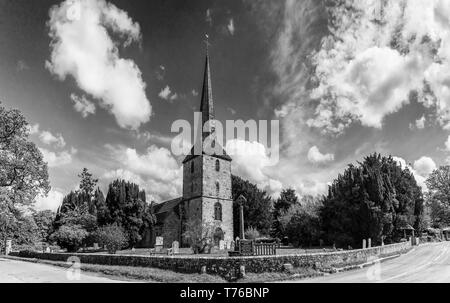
x=207 y=104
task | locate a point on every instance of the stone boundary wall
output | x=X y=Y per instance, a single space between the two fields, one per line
x=228 y=267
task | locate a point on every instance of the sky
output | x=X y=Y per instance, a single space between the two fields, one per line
x=101 y=83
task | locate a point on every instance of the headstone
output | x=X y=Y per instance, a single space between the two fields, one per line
x=320 y=242
x=232 y=246
x=369 y=243
x=221 y=245
x=96 y=246
x=133 y=249
x=364 y=246
x=203 y=270
x=175 y=247
x=159 y=244
x=47 y=250
x=8 y=247
x=242 y=271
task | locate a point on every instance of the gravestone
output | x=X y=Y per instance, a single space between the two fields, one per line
x=232 y=246
x=221 y=245
x=320 y=242
x=8 y=247
x=364 y=244
x=96 y=246
x=175 y=247
x=369 y=243
x=159 y=244
x=48 y=250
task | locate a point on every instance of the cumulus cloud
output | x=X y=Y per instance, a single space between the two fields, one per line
x=316 y=157
x=447 y=144
x=364 y=65
x=48 y=138
x=57 y=159
x=50 y=202
x=85 y=38
x=156 y=171
x=421 y=169
x=33 y=129
x=166 y=94
x=419 y=124
x=231 y=27
x=250 y=161
x=82 y=105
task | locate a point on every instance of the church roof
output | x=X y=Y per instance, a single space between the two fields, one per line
x=166 y=206
x=207 y=109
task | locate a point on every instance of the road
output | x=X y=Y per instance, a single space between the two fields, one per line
x=429 y=263
x=13 y=271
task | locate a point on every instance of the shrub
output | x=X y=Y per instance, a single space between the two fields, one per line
x=70 y=237
x=200 y=236
x=252 y=234
x=112 y=236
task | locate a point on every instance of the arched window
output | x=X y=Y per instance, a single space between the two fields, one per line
x=192 y=167
x=218 y=211
x=217 y=188
x=217 y=165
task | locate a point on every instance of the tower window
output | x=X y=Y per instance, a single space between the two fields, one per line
x=217 y=188
x=218 y=211
x=192 y=167
x=217 y=165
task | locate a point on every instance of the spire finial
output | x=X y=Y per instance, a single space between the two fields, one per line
x=207 y=43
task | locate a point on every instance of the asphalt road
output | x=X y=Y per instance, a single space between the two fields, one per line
x=13 y=271
x=429 y=263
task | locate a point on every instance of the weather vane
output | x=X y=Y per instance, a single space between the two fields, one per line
x=207 y=42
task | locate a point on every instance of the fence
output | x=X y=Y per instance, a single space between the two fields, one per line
x=251 y=248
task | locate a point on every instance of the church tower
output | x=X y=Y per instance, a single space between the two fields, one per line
x=207 y=193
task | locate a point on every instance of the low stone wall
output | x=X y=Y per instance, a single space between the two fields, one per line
x=228 y=267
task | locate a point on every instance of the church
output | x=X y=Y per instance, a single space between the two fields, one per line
x=207 y=196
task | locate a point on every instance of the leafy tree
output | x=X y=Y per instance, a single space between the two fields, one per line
x=438 y=198
x=252 y=234
x=23 y=171
x=44 y=222
x=87 y=183
x=200 y=236
x=127 y=208
x=112 y=236
x=287 y=199
x=70 y=237
x=257 y=210
x=371 y=200
x=301 y=223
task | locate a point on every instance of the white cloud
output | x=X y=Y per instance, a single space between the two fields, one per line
x=166 y=94
x=316 y=157
x=447 y=144
x=48 y=138
x=83 y=105
x=250 y=161
x=421 y=169
x=51 y=202
x=424 y=166
x=231 y=27
x=33 y=129
x=365 y=64
x=57 y=159
x=156 y=171
x=83 y=47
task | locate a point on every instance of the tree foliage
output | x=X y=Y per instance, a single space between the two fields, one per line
x=372 y=200
x=112 y=236
x=438 y=197
x=257 y=210
x=287 y=199
x=23 y=172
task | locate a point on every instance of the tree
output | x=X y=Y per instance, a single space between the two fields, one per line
x=70 y=237
x=128 y=209
x=301 y=223
x=44 y=222
x=371 y=200
x=112 y=236
x=23 y=171
x=287 y=199
x=438 y=198
x=200 y=235
x=257 y=210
